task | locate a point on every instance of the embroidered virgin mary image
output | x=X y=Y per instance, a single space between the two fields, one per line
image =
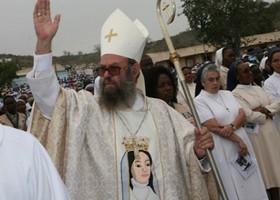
x=142 y=182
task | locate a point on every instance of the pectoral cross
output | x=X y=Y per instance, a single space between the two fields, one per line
x=110 y=35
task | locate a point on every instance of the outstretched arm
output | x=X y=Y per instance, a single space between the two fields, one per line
x=45 y=28
x=42 y=79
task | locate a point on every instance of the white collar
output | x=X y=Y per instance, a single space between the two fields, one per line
x=137 y=184
x=242 y=86
x=139 y=101
x=276 y=74
x=204 y=92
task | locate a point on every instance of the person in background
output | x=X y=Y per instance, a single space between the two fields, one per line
x=90 y=88
x=271 y=84
x=21 y=106
x=223 y=116
x=12 y=117
x=245 y=58
x=146 y=63
x=223 y=59
x=190 y=75
x=194 y=72
x=160 y=83
x=256 y=73
x=86 y=82
x=86 y=135
x=259 y=108
x=258 y=78
x=28 y=105
x=199 y=86
x=28 y=172
x=265 y=68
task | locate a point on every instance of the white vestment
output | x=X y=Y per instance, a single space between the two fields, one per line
x=26 y=170
x=223 y=76
x=272 y=87
x=266 y=140
x=181 y=99
x=223 y=70
x=85 y=142
x=224 y=108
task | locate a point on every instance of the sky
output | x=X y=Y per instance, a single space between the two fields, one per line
x=80 y=25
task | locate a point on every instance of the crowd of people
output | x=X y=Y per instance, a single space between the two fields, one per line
x=138 y=123
x=237 y=100
x=20 y=98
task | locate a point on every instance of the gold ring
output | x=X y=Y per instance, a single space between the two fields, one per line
x=39 y=14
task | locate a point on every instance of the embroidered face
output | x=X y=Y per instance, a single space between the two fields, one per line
x=141 y=168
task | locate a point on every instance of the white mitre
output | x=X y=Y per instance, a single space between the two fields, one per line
x=123 y=37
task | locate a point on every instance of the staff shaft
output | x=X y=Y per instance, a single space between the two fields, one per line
x=175 y=59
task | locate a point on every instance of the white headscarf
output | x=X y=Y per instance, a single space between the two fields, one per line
x=219 y=57
x=262 y=64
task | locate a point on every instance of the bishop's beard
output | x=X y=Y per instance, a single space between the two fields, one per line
x=122 y=96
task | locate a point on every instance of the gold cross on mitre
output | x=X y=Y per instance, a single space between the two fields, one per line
x=165 y=8
x=110 y=35
x=136 y=144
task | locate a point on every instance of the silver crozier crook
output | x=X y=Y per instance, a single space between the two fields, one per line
x=175 y=59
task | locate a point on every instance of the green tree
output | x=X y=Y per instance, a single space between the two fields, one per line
x=274 y=13
x=223 y=23
x=7 y=72
x=262 y=18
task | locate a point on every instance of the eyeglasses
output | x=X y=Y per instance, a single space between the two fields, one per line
x=112 y=69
